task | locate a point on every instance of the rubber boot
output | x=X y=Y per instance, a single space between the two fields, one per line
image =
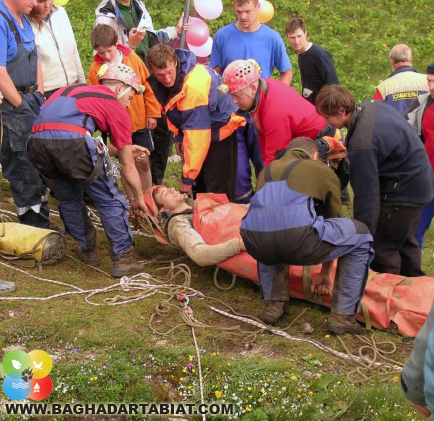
x=274 y=311
x=126 y=265
x=340 y=324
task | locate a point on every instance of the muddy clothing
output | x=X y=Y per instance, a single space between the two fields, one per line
x=285 y=225
x=182 y=234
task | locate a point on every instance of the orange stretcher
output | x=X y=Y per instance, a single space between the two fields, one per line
x=390 y=301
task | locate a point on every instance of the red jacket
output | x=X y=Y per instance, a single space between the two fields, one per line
x=282 y=115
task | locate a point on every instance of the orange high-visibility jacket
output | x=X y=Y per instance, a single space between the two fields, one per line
x=197 y=112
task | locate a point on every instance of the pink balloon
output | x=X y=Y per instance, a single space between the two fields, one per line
x=203 y=50
x=198 y=33
x=209 y=9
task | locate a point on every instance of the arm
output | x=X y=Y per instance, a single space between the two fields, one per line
x=131 y=176
x=39 y=78
x=7 y=88
x=322 y=284
x=183 y=235
x=364 y=179
x=286 y=77
x=218 y=69
x=91 y=77
x=327 y=70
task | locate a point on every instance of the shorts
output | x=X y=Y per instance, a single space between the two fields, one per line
x=143 y=138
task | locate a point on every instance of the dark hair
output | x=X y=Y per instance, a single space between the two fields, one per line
x=333 y=97
x=160 y=55
x=103 y=36
x=295 y=24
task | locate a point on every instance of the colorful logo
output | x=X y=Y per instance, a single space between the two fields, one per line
x=27 y=375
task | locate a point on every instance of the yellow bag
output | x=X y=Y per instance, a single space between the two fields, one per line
x=25 y=245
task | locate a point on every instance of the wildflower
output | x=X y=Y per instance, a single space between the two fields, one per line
x=127 y=377
x=218 y=394
x=193 y=371
x=249 y=388
x=293 y=378
x=310 y=393
x=149 y=366
x=132 y=352
x=190 y=358
x=184 y=370
x=180 y=393
x=327 y=336
x=229 y=364
x=181 y=379
x=158 y=377
x=190 y=366
x=75 y=350
x=396 y=378
x=248 y=409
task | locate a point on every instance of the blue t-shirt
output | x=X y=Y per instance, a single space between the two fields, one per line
x=265 y=45
x=8 y=45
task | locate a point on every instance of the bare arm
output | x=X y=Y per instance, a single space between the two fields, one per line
x=286 y=77
x=8 y=89
x=218 y=69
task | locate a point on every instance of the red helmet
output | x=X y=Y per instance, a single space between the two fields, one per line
x=239 y=74
x=122 y=73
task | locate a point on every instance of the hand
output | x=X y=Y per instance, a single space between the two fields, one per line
x=151 y=123
x=321 y=285
x=139 y=152
x=179 y=149
x=184 y=188
x=179 y=26
x=139 y=207
x=422 y=409
x=242 y=246
x=135 y=37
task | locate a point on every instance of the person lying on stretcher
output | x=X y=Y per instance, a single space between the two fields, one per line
x=176 y=210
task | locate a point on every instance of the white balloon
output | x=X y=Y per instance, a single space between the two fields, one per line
x=203 y=50
x=261 y=4
x=209 y=9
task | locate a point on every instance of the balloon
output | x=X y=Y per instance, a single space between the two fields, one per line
x=267 y=12
x=203 y=50
x=198 y=33
x=209 y=9
x=261 y=4
x=61 y=2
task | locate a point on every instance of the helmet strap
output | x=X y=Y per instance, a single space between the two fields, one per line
x=249 y=94
x=124 y=92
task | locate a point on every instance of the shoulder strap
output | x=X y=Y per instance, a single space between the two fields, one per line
x=92 y=95
x=72 y=87
x=12 y=27
x=285 y=175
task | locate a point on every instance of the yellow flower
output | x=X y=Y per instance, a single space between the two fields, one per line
x=214 y=354
x=327 y=336
x=249 y=388
x=248 y=409
x=181 y=379
x=194 y=370
x=310 y=393
x=229 y=364
x=241 y=389
x=180 y=393
x=396 y=378
x=190 y=358
x=218 y=394
x=224 y=373
x=263 y=391
x=96 y=378
x=338 y=382
x=184 y=370
x=56 y=389
x=299 y=391
x=298 y=396
x=310 y=355
x=293 y=378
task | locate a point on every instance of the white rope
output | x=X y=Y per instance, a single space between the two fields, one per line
x=286 y=335
x=199 y=365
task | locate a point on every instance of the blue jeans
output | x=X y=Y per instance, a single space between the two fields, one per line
x=424 y=222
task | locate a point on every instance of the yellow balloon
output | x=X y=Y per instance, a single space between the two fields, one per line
x=267 y=12
x=61 y=2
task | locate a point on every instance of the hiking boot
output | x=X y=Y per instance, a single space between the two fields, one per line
x=340 y=324
x=89 y=257
x=126 y=265
x=274 y=311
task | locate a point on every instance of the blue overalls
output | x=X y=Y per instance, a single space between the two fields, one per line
x=26 y=186
x=66 y=155
x=282 y=228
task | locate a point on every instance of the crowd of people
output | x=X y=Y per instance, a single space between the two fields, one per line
x=225 y=118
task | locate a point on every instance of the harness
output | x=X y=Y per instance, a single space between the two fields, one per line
x=285 y=175
x=102 y=155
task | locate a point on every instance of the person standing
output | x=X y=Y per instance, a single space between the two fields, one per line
x=404 y=84
x=57 y=48
x=134 y=28
x=316 y=64
x=202 y=119
x=247 y=39
x=420 y=115
x=22 y=87
x=390 y=173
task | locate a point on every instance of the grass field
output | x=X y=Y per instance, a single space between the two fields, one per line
x=109 y=353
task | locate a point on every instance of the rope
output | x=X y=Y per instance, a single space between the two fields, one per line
x=216 y=282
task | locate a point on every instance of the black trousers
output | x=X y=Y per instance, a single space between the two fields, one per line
x=219 y=170
x=396 y=248
x=162 y=137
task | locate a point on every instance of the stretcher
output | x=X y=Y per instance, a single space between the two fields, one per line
x=391 y=302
